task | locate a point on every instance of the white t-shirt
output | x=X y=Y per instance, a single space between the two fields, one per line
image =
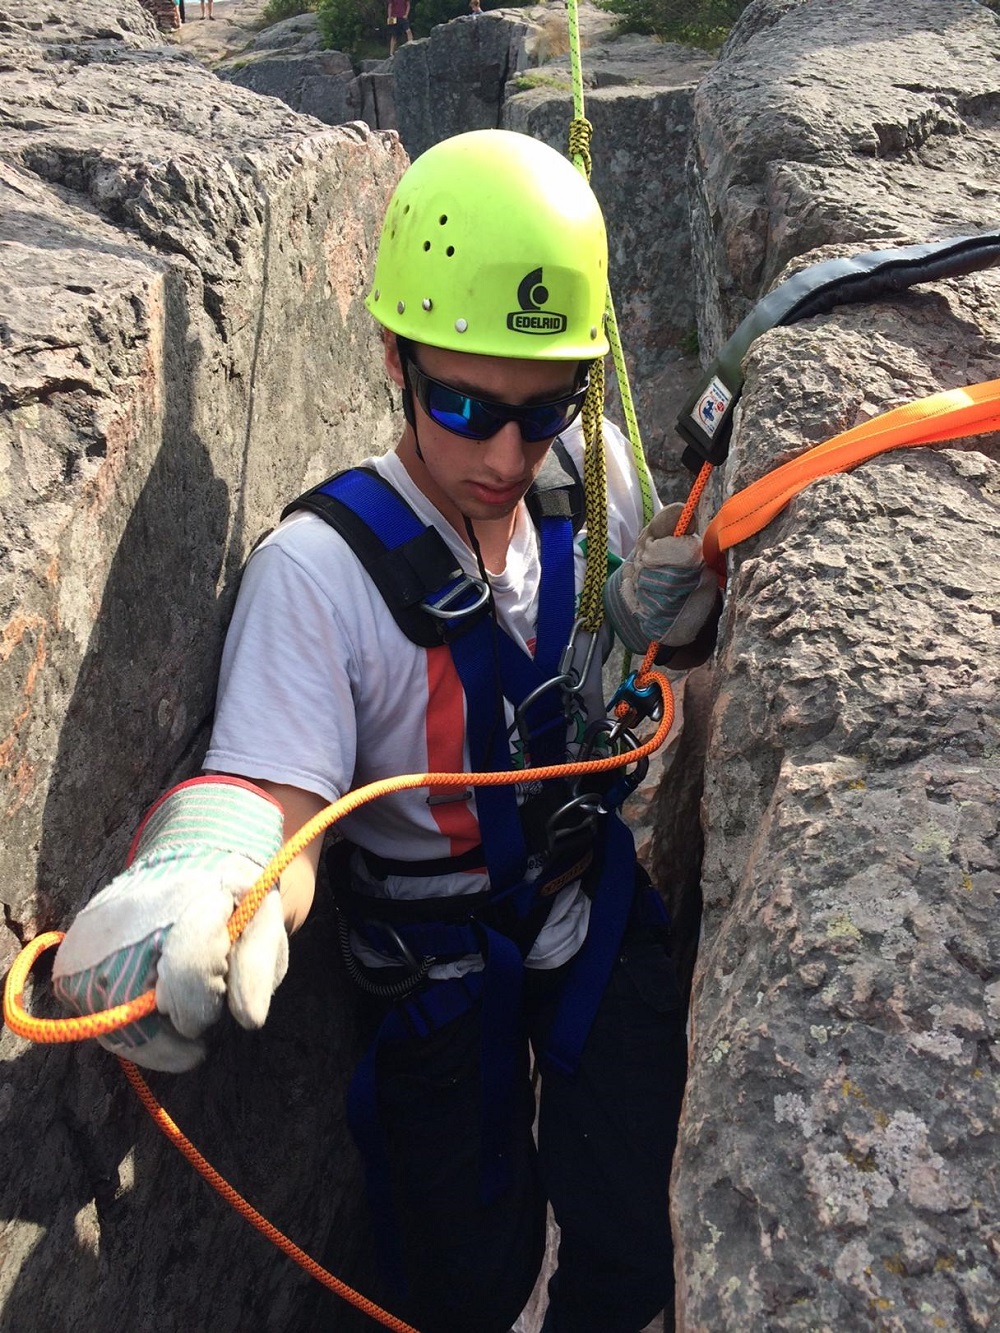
x=320 y=689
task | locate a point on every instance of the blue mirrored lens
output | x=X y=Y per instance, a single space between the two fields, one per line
x=549 y=419
x=460 y=413
x=478 y=419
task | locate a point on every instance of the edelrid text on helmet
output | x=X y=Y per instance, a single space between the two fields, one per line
x=493 y=243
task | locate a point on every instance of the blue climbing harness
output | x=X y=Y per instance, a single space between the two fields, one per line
x=434 y=602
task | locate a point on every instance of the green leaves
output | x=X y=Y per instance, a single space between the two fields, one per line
x=701 y=23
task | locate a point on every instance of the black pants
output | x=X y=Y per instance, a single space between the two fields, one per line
x=605 y=1142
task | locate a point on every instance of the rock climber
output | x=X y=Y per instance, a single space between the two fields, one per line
x=418 y=615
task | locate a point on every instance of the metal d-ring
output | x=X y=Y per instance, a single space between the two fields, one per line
x=440 y=609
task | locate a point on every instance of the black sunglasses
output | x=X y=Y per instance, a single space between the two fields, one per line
x=479 y=418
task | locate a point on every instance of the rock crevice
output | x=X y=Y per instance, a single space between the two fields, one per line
x=183 y=346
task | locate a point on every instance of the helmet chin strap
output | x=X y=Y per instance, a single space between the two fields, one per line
x=408 y=412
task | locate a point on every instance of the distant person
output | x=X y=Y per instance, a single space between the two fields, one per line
x=210 y=14
x=398 y=21
x=475 y=8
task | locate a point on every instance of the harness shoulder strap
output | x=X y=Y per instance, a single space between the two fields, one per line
x=429 y=595
x=557 y=491
x=431 y=598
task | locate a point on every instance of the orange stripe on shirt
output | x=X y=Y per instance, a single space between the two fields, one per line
x=445 y=735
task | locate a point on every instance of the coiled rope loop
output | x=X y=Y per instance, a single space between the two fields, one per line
x=58 y=1030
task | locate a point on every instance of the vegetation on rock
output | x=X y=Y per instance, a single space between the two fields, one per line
x=702 y=23
x=276 y=10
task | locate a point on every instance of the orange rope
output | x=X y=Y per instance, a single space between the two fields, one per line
x=184 y=1145
x=52 y=1030
x=972 y=410
x=691 y=503
x=93 y=1025
x=55 y=1030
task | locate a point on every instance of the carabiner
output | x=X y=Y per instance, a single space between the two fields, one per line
x=606 y=726
x=624 y=787
x=520 y=723
x=569 y=653
x=621 y=739
x=588 y=805
x=621 y=728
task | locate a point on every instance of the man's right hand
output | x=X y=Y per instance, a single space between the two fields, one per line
x=163 y=924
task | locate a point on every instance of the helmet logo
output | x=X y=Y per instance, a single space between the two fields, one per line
x=532 y=295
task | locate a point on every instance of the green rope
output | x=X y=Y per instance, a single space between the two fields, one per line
x=594 y=466
x=573 y=19
x=628 y=409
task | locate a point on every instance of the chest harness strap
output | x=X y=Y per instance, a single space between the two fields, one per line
x=441 y=608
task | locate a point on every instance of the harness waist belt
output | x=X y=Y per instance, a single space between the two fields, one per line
x=456 y=909
x=445 y=927
x=384 y=866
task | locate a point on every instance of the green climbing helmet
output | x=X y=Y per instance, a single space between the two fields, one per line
x=494 y=243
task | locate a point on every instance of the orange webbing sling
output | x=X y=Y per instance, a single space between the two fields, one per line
x=973 y=410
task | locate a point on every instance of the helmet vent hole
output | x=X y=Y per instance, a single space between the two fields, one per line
x=406 y=210
x=443 y=220
x=450 y=251
x=427 y=245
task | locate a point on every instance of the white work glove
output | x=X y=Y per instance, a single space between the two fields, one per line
x=662 y=593
x=163 y=921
